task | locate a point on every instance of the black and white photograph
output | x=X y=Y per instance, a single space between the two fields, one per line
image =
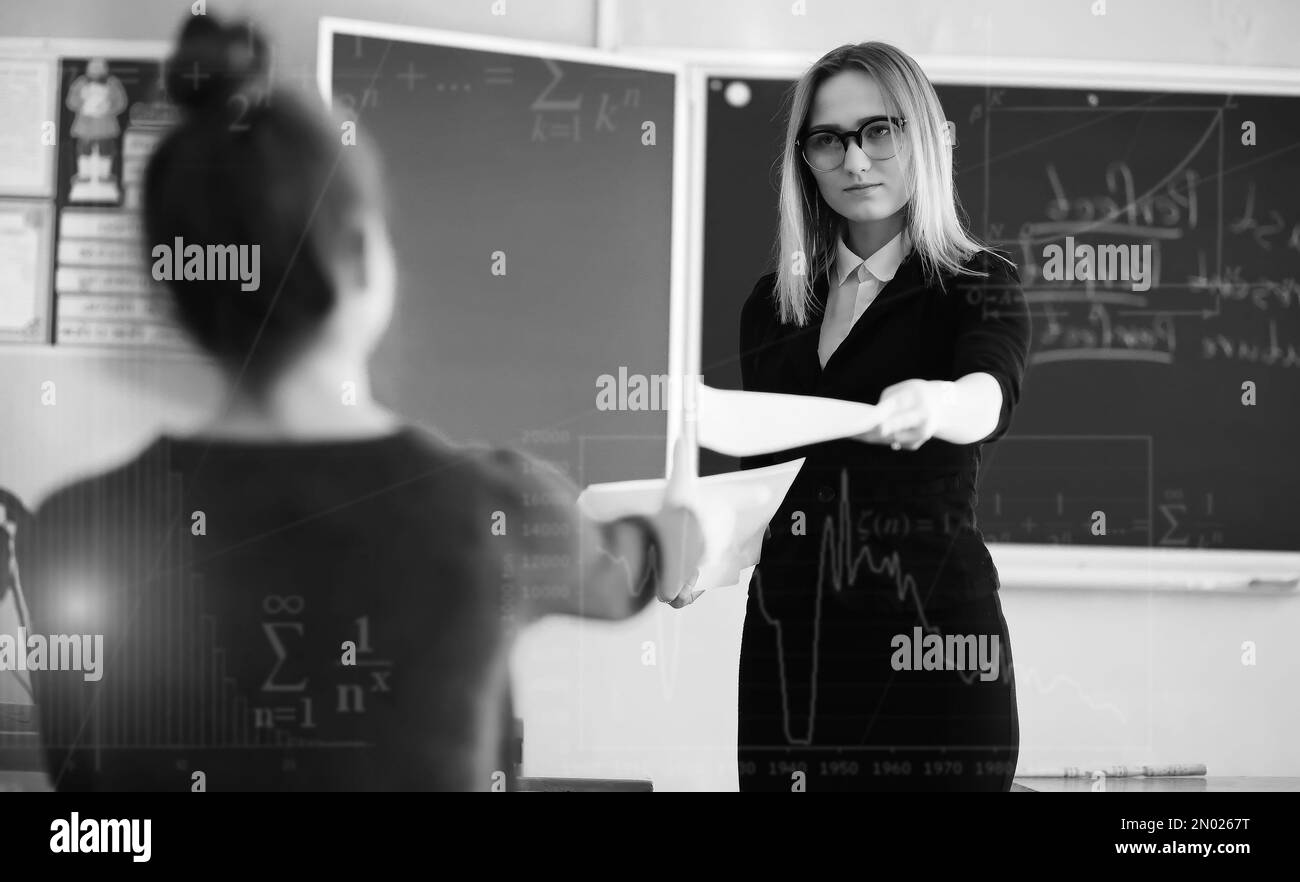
x=525 y=396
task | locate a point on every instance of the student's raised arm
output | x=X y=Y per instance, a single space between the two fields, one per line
x=556 y=560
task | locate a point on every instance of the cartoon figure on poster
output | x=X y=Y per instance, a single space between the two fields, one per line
x=97 y=98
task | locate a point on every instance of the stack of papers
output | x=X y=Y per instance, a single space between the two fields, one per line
x=739 y=424
x=752 y=423
x=753 y=496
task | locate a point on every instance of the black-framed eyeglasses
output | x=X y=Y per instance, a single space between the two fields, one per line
x=878 y=137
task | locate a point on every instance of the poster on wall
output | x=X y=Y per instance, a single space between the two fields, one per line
x=112 y=114
x=26 y=229
x=27 y=88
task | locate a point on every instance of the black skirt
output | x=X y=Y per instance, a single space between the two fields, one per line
x=834 y=697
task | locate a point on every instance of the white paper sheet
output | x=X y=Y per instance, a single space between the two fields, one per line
x=752 y=496
x=26 y=233
x=752 y=423
x=28 y=105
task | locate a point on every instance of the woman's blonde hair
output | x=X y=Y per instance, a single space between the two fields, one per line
x=808 y=227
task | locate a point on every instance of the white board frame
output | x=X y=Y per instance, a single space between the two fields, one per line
x=677 y=319
x=1024 y=565
x=978 y=70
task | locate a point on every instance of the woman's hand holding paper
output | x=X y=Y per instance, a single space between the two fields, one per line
x=911 y=413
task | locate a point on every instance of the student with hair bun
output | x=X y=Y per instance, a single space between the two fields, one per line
x=308 y=593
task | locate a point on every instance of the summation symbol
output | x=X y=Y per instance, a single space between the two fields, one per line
x=545 y=107
x=283 y=637
x=281 y=634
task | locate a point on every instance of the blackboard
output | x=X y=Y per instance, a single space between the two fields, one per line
x=531 y=208
x=1133 y=403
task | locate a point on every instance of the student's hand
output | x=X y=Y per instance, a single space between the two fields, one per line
x=680 y=535
x=681 y=549
x=914 y=411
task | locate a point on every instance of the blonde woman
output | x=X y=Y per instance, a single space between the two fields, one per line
x=875 y=653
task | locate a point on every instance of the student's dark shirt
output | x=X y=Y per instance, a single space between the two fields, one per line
x=332 y=615
x=881 y=526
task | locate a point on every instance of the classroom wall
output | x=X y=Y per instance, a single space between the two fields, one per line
x=1228 y=32
x=292 y=25
x=1103 y=677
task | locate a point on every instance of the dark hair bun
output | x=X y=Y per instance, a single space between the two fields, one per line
x=214 y=62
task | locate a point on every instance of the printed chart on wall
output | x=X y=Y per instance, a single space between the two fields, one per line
x=1157 y=239
x=27 y=88
x=71 y=237
x=112 y=113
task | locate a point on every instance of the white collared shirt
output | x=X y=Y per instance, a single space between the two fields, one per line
x=857 y=282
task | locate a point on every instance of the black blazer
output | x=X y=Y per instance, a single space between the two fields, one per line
x=879 y=523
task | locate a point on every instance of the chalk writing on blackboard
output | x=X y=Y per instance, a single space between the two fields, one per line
x=500 y=75
x=561 y=118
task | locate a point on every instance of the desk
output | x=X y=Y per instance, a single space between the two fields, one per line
x=583 y=785
x=35 y=781
x=23 y=782
x=1193 y=784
